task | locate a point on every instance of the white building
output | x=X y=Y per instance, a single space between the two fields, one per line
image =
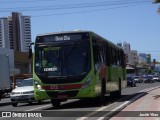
x=15 y=32
x=4 y=33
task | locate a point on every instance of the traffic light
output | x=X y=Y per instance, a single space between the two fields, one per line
x=156 y=1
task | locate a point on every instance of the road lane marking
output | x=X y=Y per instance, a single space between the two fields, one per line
x=47 y=106
x=149 y=89
x=104 y=107
x=96 y=111
x=38 y=108
x=100 y=109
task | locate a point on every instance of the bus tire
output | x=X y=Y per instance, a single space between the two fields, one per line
x=56 y=103
x=120 y=87
x=14 y=104
x=103 y=91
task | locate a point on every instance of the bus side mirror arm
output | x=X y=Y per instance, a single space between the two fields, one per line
x=30 y=50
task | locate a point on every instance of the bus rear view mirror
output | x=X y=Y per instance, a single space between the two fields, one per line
x=30 y=50
x=30 y=53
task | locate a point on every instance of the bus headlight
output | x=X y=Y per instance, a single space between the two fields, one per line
x=86 y=84
x=39 y=87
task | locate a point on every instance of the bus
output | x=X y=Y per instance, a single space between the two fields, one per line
x=76 y=65
x=130 y=71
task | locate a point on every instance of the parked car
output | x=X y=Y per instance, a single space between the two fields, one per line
x=148 y=79
x=23 y=93
x=131 y=82
x=136 y=78
x=156 y=78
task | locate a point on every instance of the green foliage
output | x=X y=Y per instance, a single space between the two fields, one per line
x=149 y=71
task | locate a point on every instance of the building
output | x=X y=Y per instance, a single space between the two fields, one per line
x=15 y=32
x=22 y=62
x=145 y=58
x=18 y=61
x=15 y=36
x=126 y=47
x=131 y=55
x=4 y=33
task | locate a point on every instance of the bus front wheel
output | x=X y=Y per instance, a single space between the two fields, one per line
x=56 y=103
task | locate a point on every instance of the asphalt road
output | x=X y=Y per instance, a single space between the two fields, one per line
x=72 y=109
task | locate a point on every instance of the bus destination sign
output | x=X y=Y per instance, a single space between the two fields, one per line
x=61 y=37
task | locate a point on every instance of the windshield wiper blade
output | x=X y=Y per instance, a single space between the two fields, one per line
x=70 y=52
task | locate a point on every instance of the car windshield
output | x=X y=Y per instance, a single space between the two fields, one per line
x=63 y=60
x=26 y=83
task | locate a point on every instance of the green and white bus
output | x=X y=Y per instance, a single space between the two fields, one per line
x=76 y=65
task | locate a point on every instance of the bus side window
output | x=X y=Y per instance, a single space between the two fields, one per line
x=108 y=55
x=96 y=54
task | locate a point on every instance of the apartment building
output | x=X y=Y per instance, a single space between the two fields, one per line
x=4 y=33
x=15 y=32
x=15 y=36
x=131 y=55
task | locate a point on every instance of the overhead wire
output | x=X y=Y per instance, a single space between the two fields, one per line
x=71 y=6
x=20 y=1
x=101 y=6
x=86 y=11
x=27 y=1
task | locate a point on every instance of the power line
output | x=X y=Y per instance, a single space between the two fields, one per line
x=31 y=1
x=72 y=6
x=28 y=1
x=95 y=10
x=151 y=51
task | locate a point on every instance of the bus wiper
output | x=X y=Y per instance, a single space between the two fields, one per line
x=58 y=77
x=78 y=75
x=70 y=52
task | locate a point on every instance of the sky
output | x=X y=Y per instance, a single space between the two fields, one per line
x=133 y=21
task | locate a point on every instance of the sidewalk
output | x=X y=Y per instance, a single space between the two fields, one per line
x=144 y=108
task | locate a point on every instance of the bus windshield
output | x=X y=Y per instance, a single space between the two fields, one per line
x=70 y=59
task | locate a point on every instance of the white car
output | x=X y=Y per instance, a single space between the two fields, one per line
x=23 y=93
x=156 y=78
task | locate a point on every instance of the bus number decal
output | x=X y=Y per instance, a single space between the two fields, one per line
x=50 y=69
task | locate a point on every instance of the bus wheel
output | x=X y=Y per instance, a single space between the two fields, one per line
x=56 y=103
x=14 y=104
x=103 y=91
